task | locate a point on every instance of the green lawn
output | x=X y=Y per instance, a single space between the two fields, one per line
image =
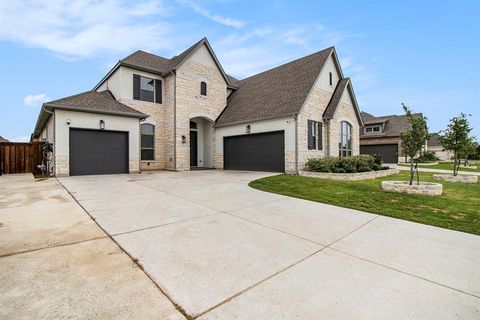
x=448 y=166
x=458 y=208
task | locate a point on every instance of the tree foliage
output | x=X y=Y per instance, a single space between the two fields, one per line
x=456 y=137
x=414 y=139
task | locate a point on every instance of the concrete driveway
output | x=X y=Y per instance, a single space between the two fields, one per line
x=56 y=263
x=221 y=250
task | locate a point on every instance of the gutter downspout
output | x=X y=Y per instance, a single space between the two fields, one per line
x=295 y=118
x=174 y=119
x=54 y=140
x=328 y=122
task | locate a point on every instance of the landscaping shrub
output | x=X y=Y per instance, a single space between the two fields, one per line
x=359 y=163
x=428 y=156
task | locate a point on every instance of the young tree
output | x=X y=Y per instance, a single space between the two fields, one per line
x=457 y=138
x=415 y=138
x=469 y=150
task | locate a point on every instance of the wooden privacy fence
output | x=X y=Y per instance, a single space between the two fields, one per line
x=20 y=157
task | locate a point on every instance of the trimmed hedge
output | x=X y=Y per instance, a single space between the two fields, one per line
x=428 y=156
x=360 y=163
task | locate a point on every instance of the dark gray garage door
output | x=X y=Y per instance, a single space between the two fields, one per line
x=255 y=152
x=98 y=152
x=389 y=152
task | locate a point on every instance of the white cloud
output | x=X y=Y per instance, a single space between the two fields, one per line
x=228 y=21
x=247 y=52
x=33 y=100
x=18 y=138
x=78 y=29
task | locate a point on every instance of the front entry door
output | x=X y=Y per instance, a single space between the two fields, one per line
x=193 y=149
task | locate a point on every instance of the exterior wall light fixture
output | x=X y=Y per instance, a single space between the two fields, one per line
x=102 y=125
x=247 y=129
x=184 y=139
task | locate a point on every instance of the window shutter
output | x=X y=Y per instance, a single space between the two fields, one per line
x=136 y=87
x=320 y=136
x=158 y=91
x=310 y=137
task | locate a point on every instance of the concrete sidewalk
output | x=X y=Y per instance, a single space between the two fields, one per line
x=422 y=169
x=56 y=263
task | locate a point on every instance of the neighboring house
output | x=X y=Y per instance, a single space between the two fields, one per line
x=151 y=112
x=2 y=139
x=434 y=145
x=381 y=135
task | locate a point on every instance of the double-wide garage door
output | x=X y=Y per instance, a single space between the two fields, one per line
x=98 y=152
x=388 y=152
x=255 y=152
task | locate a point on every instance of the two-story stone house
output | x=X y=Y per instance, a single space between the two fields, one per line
x=185 y=112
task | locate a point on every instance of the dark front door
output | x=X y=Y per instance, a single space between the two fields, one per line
x=98 y=152
x=388 y=152
x=255 y=152
x=193 y=149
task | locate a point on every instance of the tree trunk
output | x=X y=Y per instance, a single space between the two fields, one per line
x=411 y=171
x=455 y=167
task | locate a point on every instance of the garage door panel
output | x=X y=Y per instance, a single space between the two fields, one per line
x=255 y=152
x=388 y=152
x=98 y=152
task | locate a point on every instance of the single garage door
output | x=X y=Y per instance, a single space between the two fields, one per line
x=255 y=152
x=389 y=152
x=98 y=152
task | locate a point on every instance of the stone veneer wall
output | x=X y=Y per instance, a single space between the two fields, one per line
x=347 y=113
x=424 y=188
x=349 y=176
x=190 y=104
x=313 y=109
x=461 y=178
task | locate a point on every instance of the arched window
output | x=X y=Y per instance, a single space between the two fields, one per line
x=203 y=88
x=345 y=140
x=147 y=137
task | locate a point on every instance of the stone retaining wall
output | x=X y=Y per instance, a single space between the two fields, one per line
x=424 y=188
x=349 y=176
x=461 y=178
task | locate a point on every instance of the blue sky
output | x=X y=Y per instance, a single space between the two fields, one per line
x=423 y=53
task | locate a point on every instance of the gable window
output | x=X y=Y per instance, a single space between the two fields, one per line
x=314 y=135
x=147 y=135
x=147 y=89
x=372 y=129
x=330 y=78
x=345 y=140
x=203 y=88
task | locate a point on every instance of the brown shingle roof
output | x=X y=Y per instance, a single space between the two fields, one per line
x=434 y=140
x=156 y=64
x=145 y=60
x=394 y=125
x=336 y=97
x=274 y=93
x=91 y=101
x=101 y=102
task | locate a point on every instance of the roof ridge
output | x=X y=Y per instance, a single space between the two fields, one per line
x=289 y=62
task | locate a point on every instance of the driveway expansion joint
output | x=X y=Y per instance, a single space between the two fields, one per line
x=177 y=306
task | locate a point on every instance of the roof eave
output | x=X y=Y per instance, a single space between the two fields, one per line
x=204 y=41
x=138 y=115
x=105 y=78
x=255 y=120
